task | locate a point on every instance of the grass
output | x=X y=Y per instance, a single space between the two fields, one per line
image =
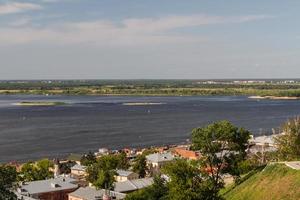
x=275 y=182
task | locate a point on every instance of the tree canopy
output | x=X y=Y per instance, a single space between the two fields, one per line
x=8 y=176
x=288 y=143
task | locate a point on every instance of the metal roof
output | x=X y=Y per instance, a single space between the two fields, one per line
x=50 y=185
x=160 y=157
x=124 y=172
x=132 y=185
x=89 y=193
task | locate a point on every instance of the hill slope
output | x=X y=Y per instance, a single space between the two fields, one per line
x=276 y=181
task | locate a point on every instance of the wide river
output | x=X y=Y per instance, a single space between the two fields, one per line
x=91 y=122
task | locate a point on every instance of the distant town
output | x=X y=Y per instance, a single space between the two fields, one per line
x=131 y=173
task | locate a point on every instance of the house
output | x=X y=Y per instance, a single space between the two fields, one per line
x=124 y=175
x=51 y=189
x=75 y=157
x=157 y=160
x=133 y=185
x=78 y=170
x=185 y=153
x=89 y=193
x=262 y=144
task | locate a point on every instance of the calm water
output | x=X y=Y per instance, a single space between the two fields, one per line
x=88 y=122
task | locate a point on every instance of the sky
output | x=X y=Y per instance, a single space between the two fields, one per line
x=149 y=39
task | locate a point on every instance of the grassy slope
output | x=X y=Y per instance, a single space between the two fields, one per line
x=274 y=182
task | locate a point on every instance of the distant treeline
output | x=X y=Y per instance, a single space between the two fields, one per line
x=149 y=87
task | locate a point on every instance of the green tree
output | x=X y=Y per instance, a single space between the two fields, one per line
x=185 y=181
x=8 y=177
x=105 y=179
x=140 y=166
x=88 y=159
x=43 y=169
x=223 y=147
x=288 y=144
x=122 y=161
x=36 y=171
x=101 y=173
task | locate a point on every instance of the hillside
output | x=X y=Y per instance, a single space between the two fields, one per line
x=274 y=182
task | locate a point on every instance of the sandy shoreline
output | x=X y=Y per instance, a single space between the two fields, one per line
x=39 y=103
x=274 y=97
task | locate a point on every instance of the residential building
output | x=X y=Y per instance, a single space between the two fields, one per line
x=183 y=152
x=124 y=175
x=78 y=170
x=51 y=189
x=157 y=160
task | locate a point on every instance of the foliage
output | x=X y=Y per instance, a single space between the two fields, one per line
x=222 y=147
x=105 y=179
x=185 y=181
x=101 y=173
x=36 y=171
x=88 y=159
x=288 y=144
x=8 y=176
x=140 y=166
x=151 y=87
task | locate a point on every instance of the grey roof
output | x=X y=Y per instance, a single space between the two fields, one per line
x=160 y=157
x=78 y=167
x=132 y=185
x=50 y=185
x=124 y=172
x=89 y=193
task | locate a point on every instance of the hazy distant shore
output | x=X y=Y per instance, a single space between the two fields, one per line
x=40 y=103
x=274 y=97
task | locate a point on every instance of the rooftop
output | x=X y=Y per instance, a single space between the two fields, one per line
x=50 y=185
x=124 y=172
x=89 y=193
x=132 y=185
x=78 y=167
x=160 y=157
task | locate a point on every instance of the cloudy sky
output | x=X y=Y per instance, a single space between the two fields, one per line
x=124 y=39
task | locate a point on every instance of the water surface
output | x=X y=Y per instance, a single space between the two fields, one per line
x=90 y=122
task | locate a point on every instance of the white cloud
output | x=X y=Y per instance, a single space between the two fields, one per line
x=16 y=7
x=127 y=32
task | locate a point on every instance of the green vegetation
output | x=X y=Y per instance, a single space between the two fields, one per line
x=8 y=177
x=152 y=87
x=36 y=171
x=101 y=173
x=140 y=166
x=222 y=147
x=288 y=144
x=276 y=181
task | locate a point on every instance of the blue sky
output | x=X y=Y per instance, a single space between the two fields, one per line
x=124 y=39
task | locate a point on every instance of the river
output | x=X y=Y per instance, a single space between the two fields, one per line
x=90 y=122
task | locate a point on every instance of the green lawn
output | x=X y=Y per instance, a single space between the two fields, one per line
x=276 y=181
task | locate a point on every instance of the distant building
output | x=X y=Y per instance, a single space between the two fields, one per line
x=75 y=157
x=78 y=171
x=89 y=193
x=51 y=189
x=157 y=160
x=124 y=175
x=183 y=152
x=133 y=185
x=262 y=144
